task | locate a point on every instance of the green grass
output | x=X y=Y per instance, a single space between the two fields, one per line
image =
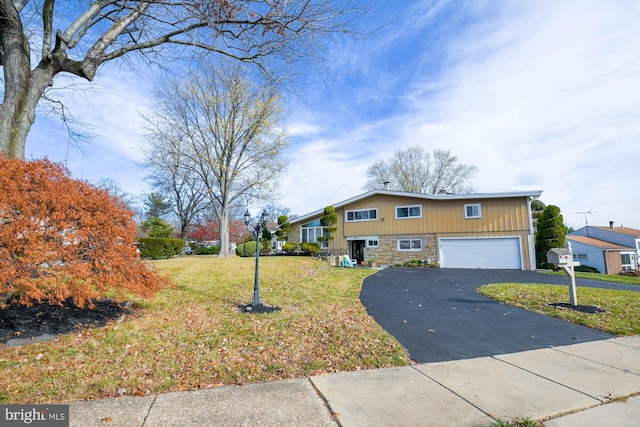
x=192 y=336
x=622 y=308
x=629 y=280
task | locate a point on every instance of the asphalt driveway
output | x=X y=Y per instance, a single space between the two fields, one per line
x=438 y=315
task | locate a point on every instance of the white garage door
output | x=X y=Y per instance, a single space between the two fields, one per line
x=488 y=252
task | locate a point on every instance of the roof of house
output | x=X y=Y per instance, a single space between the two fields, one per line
x=622 y=230
x=469 y=196
x=597 y=243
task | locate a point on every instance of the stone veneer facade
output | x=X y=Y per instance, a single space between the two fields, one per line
x=387 y=252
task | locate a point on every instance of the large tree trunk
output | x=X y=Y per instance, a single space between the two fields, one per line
x=23 y=87
x=225 y=251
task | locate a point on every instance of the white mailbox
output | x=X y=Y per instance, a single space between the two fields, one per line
x=559 y=256
x=563 y=258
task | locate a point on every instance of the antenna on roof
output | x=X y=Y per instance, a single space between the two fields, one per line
x=590 y=212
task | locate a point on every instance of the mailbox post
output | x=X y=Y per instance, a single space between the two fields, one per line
x=563 y=258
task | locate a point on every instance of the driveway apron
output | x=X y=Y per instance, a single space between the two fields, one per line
x=438 y=315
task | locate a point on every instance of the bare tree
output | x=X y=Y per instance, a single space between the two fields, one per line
x=38 y=41
x=119 y=196
x=416 y=171
x=172 y=174
x=229 y=131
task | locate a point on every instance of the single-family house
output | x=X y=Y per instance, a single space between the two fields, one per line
x=610 y=250
x=481 y=230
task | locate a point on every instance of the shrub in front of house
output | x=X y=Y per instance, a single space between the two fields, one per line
x=157 y=248
x=415 y=262
x=633 y=273
x=289 y=248
x=247 y=248
x=586 y=269
x=310 y=248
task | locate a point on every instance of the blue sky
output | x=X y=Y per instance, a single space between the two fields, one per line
x=539 y=95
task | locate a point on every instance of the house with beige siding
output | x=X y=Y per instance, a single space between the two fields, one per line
x=481 y=230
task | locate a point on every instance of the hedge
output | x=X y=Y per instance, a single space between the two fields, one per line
x=289 y=247
x=157 y=248
x=247 y=249
x=310 y=248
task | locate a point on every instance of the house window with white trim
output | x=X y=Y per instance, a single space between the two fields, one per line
x=628 y=261
x=580 y=257
x=310 y=232
x=373 y=242
x=412 y=211
x=362 y=215
x=472 y=211
x=409 y=245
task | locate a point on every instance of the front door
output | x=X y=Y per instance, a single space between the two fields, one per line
x=357 y=250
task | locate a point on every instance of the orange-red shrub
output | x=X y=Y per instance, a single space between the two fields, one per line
x=63 y=238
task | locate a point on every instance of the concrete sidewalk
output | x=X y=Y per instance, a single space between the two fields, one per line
x=575 y=385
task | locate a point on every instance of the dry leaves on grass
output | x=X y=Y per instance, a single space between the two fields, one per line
x=192 y=336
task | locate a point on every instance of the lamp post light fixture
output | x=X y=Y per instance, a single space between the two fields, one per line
x=257 y=232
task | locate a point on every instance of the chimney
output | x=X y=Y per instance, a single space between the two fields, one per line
x=611 y=225
x=386 y=184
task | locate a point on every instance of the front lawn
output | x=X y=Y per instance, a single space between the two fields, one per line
x=621 y=314
x=193 y=336
x=616 y=278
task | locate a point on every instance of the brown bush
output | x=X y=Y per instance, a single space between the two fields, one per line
x=63 y=238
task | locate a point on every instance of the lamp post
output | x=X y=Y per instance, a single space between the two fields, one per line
x=257 y=232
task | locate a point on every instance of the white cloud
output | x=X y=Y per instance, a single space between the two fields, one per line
x=111 y=108
x=538 y=95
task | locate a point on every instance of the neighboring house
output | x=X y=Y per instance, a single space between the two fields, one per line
x=491 y=230
x=610 y=250
x=276 y=245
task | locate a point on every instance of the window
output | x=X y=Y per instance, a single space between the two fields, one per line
x=472 y=211
x=372 y=243
x=626 y=259
x=409 y=245
x=413 y=211
x=362 y=215
x=311 y=231
x=579 y=257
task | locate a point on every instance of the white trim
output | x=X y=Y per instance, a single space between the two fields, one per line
x=408 y=208
x=366 y=240
x=469 y=205
x=530 y=214
x=532 y=251
x=471 y=196
x=633 y=261
x=346 y=214
x=410 y=245
x=442 y=260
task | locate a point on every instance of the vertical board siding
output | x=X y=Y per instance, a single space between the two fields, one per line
x=440 y=218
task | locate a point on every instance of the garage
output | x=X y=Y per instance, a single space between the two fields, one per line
x=481 y=252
